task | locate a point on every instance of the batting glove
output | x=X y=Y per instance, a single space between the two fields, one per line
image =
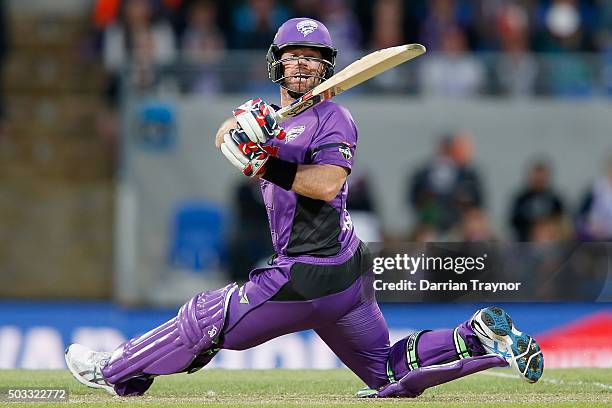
x=258 y=121
x=247 y=156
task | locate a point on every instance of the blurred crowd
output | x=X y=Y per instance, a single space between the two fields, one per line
x=154 y=33
x=446 y=198
x=493 y=47
x=539 y=25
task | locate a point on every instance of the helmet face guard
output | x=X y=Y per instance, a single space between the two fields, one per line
x=276 y=68
x=301 y=32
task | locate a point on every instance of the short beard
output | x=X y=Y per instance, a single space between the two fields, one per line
x=298 y=94
x=294 y=94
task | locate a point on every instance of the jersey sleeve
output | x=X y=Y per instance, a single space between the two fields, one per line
x=337 y=140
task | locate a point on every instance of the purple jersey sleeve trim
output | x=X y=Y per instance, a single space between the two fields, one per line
x=337 y=141
x=336 y=162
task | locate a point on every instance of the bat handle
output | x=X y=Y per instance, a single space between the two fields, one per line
x=281 y=114
x=296 y=107
x=278 y=116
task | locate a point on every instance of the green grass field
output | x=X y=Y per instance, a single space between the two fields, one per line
x=334 y=388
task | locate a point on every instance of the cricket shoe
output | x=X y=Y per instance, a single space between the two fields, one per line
x=86 y=366
x=495 y=330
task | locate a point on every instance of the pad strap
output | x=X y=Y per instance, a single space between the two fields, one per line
x=412 y=358
x=390 y=374
x=462 y=349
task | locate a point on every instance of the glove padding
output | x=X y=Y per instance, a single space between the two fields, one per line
x=258 y=121
x=247 y=156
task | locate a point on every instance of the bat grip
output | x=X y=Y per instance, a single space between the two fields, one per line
x=279 y=118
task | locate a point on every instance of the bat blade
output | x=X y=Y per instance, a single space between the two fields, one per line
x=359 y=71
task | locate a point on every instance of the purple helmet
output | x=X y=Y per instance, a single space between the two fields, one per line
x=304 y=32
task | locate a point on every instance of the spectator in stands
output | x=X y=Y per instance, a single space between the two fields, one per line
x=255 y=23
x=202 y=36
x=361 y=198
x=595 y=221
x=538 y=209
x=468 y=191
x=566 y=27
x=251 y=243
x=202 y=48
x=423 y=232
x=447 y=185
x=604 y=39
x=387 y=31
x=387 y=28
x=516 y=69
x=440 y=16
x=546 y=230
x=431 y=187
x=453 y=72
x=474 y=227
x=307 y=8
x=362 y=208
x=604 y=35
x=484 y=24
x=176 y=13
x=136 y=39
x=344 y=28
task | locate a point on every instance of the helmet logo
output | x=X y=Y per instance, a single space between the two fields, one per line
x=307 y=26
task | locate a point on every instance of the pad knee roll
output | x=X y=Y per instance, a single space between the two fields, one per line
x=173 y=346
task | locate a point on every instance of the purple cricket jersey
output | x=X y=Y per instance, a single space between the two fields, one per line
x=325 y=134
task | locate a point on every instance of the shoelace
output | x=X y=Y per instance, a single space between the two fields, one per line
x=99 y=360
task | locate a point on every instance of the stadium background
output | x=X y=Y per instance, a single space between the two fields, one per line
x=115 y=206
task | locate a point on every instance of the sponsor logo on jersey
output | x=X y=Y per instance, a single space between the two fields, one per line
x=294 y=132
x=307 y=27
x=345 y=151
x=243 y=296
x=347 y=223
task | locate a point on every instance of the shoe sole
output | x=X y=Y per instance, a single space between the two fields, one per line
x=83 y=381
x=525 y=350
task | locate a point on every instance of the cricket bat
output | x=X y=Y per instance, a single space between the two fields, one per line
x=359 y=71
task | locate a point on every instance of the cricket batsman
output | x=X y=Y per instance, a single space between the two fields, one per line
x=320 y=277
